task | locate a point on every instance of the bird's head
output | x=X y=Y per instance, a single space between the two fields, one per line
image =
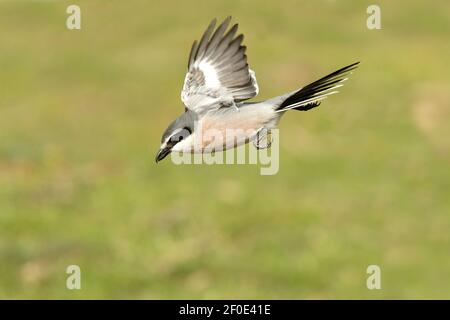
x=178 y=131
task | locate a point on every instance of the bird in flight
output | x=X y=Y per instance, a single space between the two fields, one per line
x=217 y=83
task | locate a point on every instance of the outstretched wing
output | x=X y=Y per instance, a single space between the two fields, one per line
x=218 y=74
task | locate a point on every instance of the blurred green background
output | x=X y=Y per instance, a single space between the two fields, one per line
x=364 y=179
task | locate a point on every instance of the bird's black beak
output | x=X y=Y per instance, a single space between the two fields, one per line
x=162 y=153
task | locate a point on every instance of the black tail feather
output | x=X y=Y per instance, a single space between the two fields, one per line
x=308 y=106
x=318 y=89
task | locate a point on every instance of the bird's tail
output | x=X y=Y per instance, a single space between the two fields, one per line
x=310 y=96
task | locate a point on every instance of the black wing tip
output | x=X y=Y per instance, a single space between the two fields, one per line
x=227 y=19
x=225 y=22
x=213 y=22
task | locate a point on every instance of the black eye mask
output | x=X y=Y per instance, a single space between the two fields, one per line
x=177 y=137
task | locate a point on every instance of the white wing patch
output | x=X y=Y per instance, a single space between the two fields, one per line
x=255 y=84
x=210 y=73
x=218 y=73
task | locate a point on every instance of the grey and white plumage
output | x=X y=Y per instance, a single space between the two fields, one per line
x=216 y=85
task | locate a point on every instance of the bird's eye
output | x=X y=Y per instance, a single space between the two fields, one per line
x=180 y=135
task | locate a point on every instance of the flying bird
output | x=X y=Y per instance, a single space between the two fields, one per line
x=217 y=83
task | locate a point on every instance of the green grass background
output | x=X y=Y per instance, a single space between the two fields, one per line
x=364 y=179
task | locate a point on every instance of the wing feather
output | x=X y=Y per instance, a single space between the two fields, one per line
x=192 y=53
x=218 y=72
x=217 y=36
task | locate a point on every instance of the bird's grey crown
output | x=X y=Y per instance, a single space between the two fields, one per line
x=185 y=120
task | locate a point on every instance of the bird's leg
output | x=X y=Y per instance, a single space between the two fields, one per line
x=260 y=135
